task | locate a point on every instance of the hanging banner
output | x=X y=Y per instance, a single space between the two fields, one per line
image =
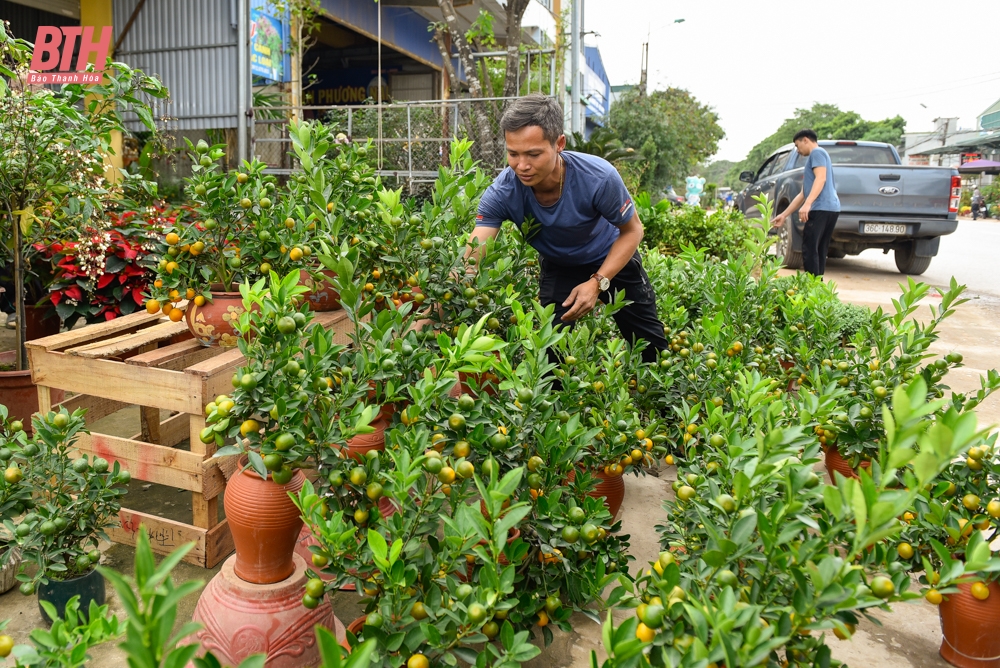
x=267 y=46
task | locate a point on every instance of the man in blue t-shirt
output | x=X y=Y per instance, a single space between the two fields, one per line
x=819 y=209
x=581 y=220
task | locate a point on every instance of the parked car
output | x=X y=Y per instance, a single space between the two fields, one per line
x=884 y=204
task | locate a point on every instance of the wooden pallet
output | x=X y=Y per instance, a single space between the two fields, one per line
x=147 y=360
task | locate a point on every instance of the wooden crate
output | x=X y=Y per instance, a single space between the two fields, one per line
x=147 y=360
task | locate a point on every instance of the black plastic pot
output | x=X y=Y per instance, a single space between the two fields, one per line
x=89 y=587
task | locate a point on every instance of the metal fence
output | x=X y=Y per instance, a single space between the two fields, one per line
x=414 y=136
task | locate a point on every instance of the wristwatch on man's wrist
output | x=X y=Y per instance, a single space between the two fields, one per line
x=602 y=283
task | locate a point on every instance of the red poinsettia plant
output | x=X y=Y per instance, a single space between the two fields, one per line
x=104 y=271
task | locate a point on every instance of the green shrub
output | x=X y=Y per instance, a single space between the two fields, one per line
x=670 y=230
x=850 y=318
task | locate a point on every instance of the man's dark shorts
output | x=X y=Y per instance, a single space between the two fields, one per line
x=638 y=320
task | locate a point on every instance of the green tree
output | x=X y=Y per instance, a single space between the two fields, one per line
x=716 y=171
x=673 y=131
x=803 y=118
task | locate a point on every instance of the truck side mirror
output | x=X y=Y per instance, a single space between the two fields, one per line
x=746 y=177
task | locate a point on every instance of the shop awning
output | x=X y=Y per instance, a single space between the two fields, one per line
x=991 y=141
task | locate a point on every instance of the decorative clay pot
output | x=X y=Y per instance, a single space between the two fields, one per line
x=971 y=628
x=514 y=534
x=240 y=619
x=321 y=295
x=361 y=444
x=89 y=587
x=213 y=324
x=610 y=487
x=486 y=382
x=836 y=462
x=265 y=525
x=355 y=628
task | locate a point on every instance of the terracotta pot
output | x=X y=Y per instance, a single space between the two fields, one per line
x=836 y=462
x=19 y=394
x=355 y=628
x=515 y=533
x=610 y=487
x=487 y=382
x=321 y=295
x=265 y=525
x=38 y=325
x=213 y=323
x=362 y=444
x=240 y=619
x=387 y=506
x=970 y=628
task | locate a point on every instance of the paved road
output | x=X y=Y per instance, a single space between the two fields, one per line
x=969 y=255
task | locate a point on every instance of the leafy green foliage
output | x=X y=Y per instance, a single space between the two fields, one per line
x=72 y=634
x=74 y=500
x=604 y=143
x=670 y=129
x=672 y=229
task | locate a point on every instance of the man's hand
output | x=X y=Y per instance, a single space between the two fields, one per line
x=804 y=212
x=581 y=301
x=778 y=220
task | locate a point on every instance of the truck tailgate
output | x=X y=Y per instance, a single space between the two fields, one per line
x=893 y=190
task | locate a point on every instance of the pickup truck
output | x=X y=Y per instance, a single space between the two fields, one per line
x=883 y=204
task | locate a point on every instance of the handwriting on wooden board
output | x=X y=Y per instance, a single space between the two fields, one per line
x=159 y=536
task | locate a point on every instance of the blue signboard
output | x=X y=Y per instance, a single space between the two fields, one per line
x=268 y=46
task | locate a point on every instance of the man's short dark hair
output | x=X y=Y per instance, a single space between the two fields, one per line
x=534 y=109
x=805 y=134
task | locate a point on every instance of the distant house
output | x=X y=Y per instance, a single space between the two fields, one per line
x=948 y=145
x=596 y=89
x=990 y=119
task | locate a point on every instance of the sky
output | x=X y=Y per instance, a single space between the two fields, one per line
x=754 y=63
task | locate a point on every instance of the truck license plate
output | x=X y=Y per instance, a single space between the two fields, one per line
x=884 y=228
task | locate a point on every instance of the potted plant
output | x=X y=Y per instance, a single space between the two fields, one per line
x=747 y=575
x=886 y=353
x=241 y=230
x=15 y=493
x=284 y=412
x=334 y=194
x=594 y=374
x=947 y=537
x=412 y=565
x=52 y=149
x=75 y=500
x=103 y=269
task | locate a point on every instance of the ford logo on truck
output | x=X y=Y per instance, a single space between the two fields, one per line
x=889 y=190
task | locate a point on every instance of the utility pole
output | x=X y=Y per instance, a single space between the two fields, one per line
x=242 y=79
x=576 y=90
x=645 y=66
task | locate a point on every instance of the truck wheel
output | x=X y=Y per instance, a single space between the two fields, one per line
x=908 y=262
x=791 y=258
